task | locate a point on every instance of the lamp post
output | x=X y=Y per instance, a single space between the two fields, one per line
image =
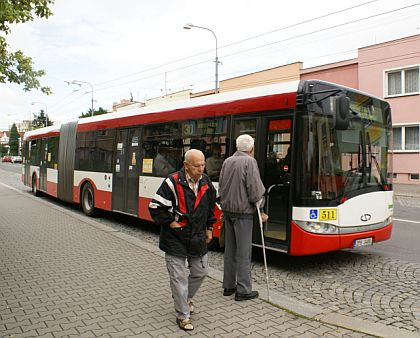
x=88 y=83
x=46 y=111
x=189 y=26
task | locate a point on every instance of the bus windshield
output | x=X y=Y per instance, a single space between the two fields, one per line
x=333 y=164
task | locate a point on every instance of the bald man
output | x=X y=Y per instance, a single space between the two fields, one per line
x=183 y=207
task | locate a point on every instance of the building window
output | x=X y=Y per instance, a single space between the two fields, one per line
x=402 y=81
x=406 y=138
x=414 y=177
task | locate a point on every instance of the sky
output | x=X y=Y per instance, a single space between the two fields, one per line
x=138 y=49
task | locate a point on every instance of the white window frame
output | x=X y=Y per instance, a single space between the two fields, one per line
x=403 y=126
x=402 y=70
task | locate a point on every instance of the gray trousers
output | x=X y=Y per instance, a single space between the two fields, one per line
x=185 y=280
x=238 y=252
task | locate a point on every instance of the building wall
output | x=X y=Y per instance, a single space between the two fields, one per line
x=344 y=73
x=284 y=73
x=374 y=62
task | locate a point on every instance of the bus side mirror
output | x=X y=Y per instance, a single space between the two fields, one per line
x=341 y=111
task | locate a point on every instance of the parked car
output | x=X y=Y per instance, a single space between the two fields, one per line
x=16 y=159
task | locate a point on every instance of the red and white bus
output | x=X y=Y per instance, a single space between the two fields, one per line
x=322 y=149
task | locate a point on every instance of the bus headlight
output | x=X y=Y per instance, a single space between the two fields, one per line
x=317 y=227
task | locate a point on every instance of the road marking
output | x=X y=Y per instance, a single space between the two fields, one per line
x=406 y=220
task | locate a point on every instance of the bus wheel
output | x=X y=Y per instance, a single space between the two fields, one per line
x=87 y=201
x=35 y=190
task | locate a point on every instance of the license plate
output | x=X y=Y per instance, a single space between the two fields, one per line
x=362 y=242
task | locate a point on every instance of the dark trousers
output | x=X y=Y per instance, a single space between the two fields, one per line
x=238 y=251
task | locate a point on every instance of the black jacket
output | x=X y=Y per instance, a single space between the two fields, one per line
x=168 y=205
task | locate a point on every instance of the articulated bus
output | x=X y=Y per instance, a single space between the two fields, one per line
x=323 y=152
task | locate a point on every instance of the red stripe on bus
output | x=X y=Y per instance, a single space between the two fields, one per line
x=264 y=103
x=307 y=243
x=52 y=188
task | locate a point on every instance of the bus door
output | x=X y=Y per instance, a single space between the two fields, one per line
x=126 y=171
x=276 y=147
x=43 y=165
x=26 y=163
x=272 y=152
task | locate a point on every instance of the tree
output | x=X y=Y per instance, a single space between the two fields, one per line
x=40 y=119
x=13 y=141
x=16 y=67
x=100 y=111
x=3 y=150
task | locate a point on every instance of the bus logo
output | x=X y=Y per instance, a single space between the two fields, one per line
x=365 y=217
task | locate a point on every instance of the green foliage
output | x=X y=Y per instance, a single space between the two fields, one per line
x=40 y=119
x=16 y=67
x=13 y=141
x=3 y=150
x=100 y=111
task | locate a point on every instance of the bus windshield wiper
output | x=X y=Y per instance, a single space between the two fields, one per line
x=330 y=92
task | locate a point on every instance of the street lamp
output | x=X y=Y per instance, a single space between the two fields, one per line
x=189 y=26
x=88 y=83
x=46 y=111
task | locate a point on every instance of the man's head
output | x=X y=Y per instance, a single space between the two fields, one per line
x=194 y=163
x=245 y=143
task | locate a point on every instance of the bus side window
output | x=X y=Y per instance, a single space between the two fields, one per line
x=214 y=161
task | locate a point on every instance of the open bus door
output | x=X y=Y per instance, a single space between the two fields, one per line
x=276 y=148
x=272 y=143
x=126 y=171
x=272 y=152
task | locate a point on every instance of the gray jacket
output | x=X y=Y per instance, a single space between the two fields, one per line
x=240 y=185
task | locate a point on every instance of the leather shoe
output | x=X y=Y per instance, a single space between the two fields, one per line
x=246 y=296
x=228 y=292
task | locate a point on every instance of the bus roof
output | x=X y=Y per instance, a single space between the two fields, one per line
x=209 y=100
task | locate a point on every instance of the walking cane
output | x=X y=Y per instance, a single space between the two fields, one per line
x=263 y=247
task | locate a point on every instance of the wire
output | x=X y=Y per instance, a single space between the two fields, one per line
x=238 y=42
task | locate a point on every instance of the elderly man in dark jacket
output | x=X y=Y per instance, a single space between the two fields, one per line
x=183 y=206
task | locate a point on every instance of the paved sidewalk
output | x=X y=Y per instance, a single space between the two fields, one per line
x=62 y=274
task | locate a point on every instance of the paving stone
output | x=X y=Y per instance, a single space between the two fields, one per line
x=73 y=279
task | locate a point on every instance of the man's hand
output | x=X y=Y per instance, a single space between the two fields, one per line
x=209 y=236
x=264 y=217
x=174 y=225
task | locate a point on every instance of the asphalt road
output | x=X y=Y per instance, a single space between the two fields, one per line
x=403 y=244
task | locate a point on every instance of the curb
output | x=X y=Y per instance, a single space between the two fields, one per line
x=308 y=311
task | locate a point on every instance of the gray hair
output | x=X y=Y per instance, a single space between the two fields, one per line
x=245 y=143
x=190 y=153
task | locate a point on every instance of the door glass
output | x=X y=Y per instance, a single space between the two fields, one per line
x=245 y=127
x=276 y=177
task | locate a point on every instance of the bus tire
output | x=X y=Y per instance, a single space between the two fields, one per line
x=87 y=200
x=34 y=188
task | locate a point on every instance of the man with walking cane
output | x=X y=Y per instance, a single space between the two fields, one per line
x=240 y=190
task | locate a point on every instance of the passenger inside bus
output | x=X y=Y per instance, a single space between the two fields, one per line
x=214 y=162
x=164 y=164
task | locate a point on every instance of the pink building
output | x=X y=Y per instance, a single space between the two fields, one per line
x=389 y=70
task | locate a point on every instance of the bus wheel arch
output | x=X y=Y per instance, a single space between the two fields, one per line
x=87 y=199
